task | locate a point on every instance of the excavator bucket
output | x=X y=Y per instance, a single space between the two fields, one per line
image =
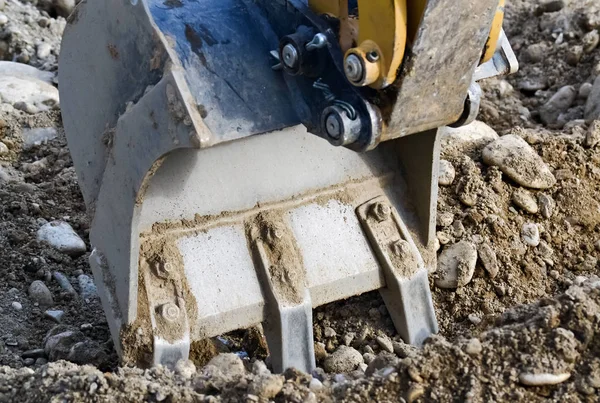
x=217 y=202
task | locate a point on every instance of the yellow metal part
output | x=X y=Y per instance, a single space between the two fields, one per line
x=490 y=46
x=332 y=7
x=382 y=40
x=416 y=10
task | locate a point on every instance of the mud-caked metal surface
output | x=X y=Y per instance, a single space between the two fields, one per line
x=199 y=227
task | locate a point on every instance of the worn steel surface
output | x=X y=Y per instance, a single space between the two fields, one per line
x=432 y=88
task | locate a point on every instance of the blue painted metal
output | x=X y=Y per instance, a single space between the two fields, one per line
x=224 y=48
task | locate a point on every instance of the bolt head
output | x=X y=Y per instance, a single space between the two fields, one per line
x=333 y=126
x=170 y=312
x=290 y=56
x=373 y=56
x=381 y=211
x=354 y=69
x=400 y=248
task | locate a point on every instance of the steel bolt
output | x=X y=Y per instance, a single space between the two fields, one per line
x=381 y=211
x=169 y=311
x=290 y=56
x=400 y=248
x=353 y=68
x=372 y=56
x=333 y=126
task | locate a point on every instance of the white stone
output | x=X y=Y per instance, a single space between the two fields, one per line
x=530 y=233
x=43 y=50
x=530 y=379
x=456 y=265
x=447 y=173
x=61 y=236
x=17 y=306
x=345 y=359
x=185 y=368
x=3 y=148
x=519 y=162
x=466 y=139
x=25 y=71
x=3 y=19
x=38 y=136
x=16 y=90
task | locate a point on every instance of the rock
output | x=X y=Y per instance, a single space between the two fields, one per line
x=488 y=259
x=16 y=90
x=415 y=392
x=26 y=107
x=87 y=288
x=38 y=292
x=473 y=347
x=25 y=71
x=530 y=233
x=16 y=306
x=590 y=41
x=447 y=173
x=266 y=386
x=54 y=315
x=343 y=360
x=592 y=136
x=592 y=106
x=229 y=363
x=185 y=369
x=3 y=148
x=64 y=282
x=87 y=352
x=381 y=361
x=525 y=200
x=519 y=162
x=385 y=343
x=585 y=90
x=547 y=205
x=3 y=19
x=531 y=379
x=63 y=8
x=43 y=50
x=466 y=139
x=559 y=103
x=329 y=332
x=37 y=137
x=61 y=236
x=368 y=357
x=315 y=385
x=58 y=346
x=2 y=4
x=35 y=353
x=535 y=53
x=549 y=6
x=456 y=265
x=444 y=219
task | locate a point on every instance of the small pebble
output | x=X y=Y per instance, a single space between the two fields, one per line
x=530 y=233
x=473 y=347
x=17 y=306
x=55 y=315
x=446 y=174
x=385 y=343
x=525 y=200
x=544 y=379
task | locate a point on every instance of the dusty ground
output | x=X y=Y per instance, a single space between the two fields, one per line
x=524 y=329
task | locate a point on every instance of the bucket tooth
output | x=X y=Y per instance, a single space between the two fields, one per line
x=288 y=326
x=406 y=295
